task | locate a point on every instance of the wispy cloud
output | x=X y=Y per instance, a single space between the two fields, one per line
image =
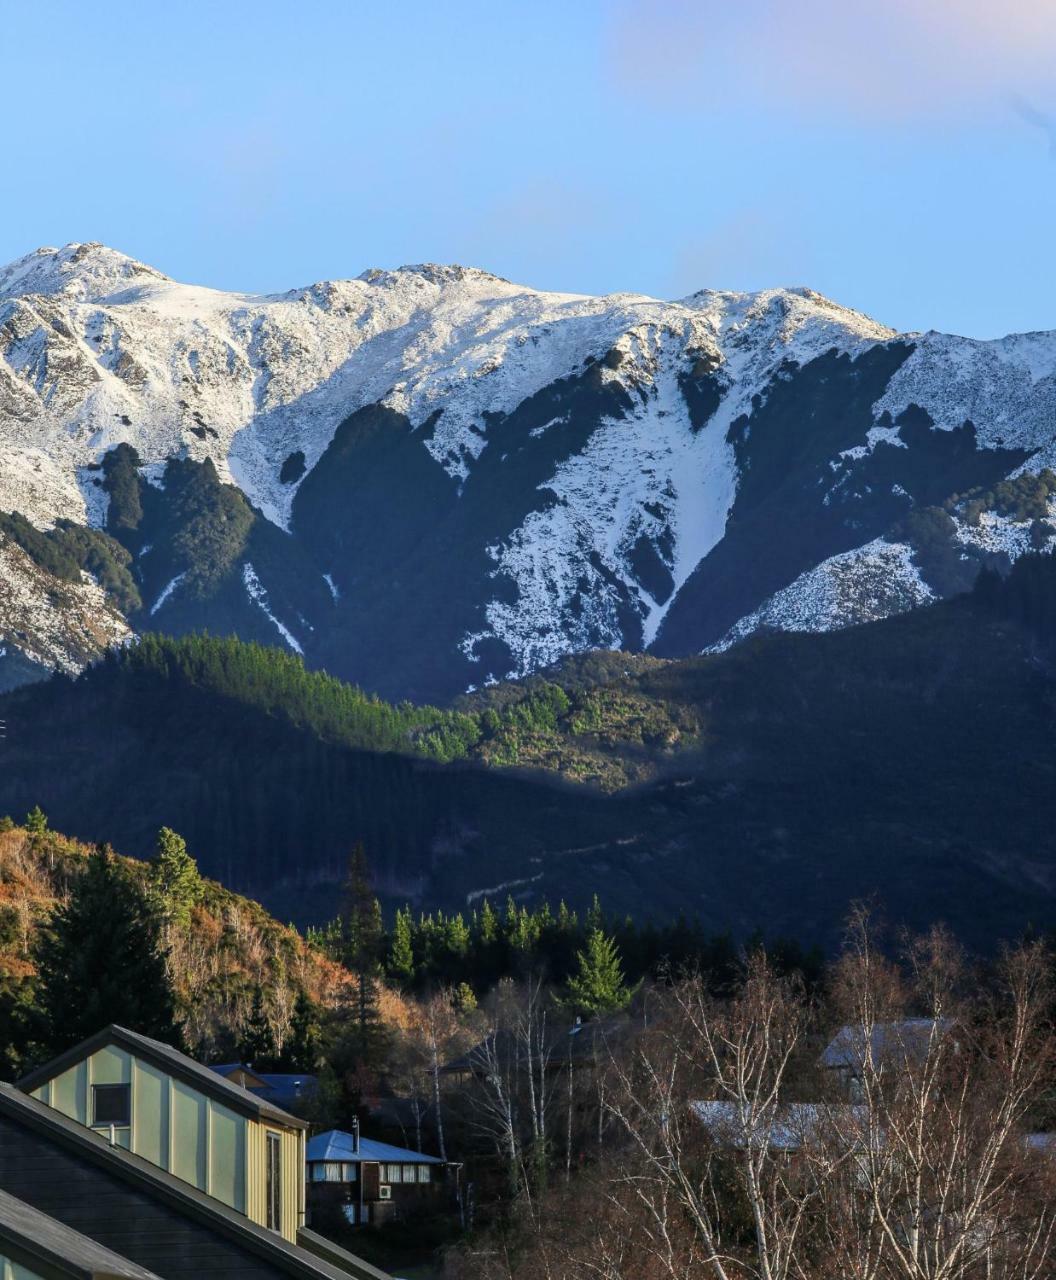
x=1038 y=119
x=902 y=59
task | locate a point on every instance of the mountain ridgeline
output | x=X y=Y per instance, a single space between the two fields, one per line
x=911 y=758
x=428 y=480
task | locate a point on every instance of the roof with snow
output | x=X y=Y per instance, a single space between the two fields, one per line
x=906 y=1039
x=335 y=1144
x=785 y=1128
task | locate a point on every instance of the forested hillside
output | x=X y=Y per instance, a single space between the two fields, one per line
x=224 y=956
x=766 y=786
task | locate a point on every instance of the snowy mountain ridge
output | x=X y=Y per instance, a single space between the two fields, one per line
x=623 y=432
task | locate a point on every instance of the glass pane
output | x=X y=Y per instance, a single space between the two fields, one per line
x=111 y=1104
x=274 y=1182
x=424 y=1172
x=351 y=1172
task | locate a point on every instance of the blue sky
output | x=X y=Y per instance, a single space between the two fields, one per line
x=900 y=161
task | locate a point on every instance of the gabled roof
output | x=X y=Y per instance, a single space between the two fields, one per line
x=28 y=1235
x=905 y=1040
x=171 y=1061
x=336 y=1145
x=288 y=1259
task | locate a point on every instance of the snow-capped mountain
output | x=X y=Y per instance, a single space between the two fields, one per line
x=431 y=478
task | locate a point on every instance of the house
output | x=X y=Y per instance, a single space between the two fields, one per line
x=165 y=1163
x=373 y=1182
x=288 y=1090
x=156 y=1102
x=786 y=1128
x=36 y=1247
x=582 y=1045
x=905 y=1041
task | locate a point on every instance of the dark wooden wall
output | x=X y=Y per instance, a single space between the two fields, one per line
x=75 y=1190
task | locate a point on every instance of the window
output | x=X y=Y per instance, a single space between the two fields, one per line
x=327 y=1171
x=351 y=1172
x=393 y=1173
x=273 y=1182
x=112 y=1104
x=424 y=1172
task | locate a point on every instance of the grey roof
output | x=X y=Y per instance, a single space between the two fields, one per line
x=170 y=1060
x=785 y=1128
x=46 y=1241
x=336 y=1145
x=148 y=1178
x=904 y=1040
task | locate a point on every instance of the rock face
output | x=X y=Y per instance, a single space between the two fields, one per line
x=432 y=478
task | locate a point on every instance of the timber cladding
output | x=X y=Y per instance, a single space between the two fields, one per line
x=141 y=1213
x=184 y=1118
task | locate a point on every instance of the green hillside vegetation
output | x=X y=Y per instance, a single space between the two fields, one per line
x=766 y=786
x=69 y=549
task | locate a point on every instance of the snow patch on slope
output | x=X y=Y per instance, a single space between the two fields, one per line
x=257 y=593
x=1006 y=388
x=61 y=625
x=863 y=585
x=166 y=592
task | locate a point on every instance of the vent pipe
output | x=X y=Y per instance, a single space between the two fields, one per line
x=355 y=1135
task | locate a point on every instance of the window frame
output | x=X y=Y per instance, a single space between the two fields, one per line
x=273 y=1180
x=112 y=1091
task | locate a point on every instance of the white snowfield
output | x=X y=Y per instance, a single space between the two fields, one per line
x=98 y=349
x=863 y=585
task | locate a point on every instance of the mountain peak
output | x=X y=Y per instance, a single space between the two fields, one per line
x=85 y=272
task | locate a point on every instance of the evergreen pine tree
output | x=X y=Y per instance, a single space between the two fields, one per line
x=175 y=885
x=362 y=944
x=100 y=961
x=489 y=924
x=36 y=821
x=256 y=1047
x=598 y=986
x=301 y=1050
x=401 y=949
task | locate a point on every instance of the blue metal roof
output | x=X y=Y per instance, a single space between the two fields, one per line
x=337 y=1145
x=284 y=1089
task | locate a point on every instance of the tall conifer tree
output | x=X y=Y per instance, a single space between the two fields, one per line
x=100 y=961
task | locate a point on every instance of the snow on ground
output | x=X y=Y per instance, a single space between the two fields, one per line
x=258 y=594
x=96 y=349
x=996 y=533
x=1007 y=387
x=863 y=585
x=61 y=625
x=166 y=592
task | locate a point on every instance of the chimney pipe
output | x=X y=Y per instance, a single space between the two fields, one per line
x=355 y=1135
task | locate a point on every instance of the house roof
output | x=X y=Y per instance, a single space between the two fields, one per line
x=905 y=1039
x=41 y=1241
x=156 y=1182
x=338 y=1145
x=565 y=1044
x=785 y=1128
x=173 y=1062
x=282 y=1088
